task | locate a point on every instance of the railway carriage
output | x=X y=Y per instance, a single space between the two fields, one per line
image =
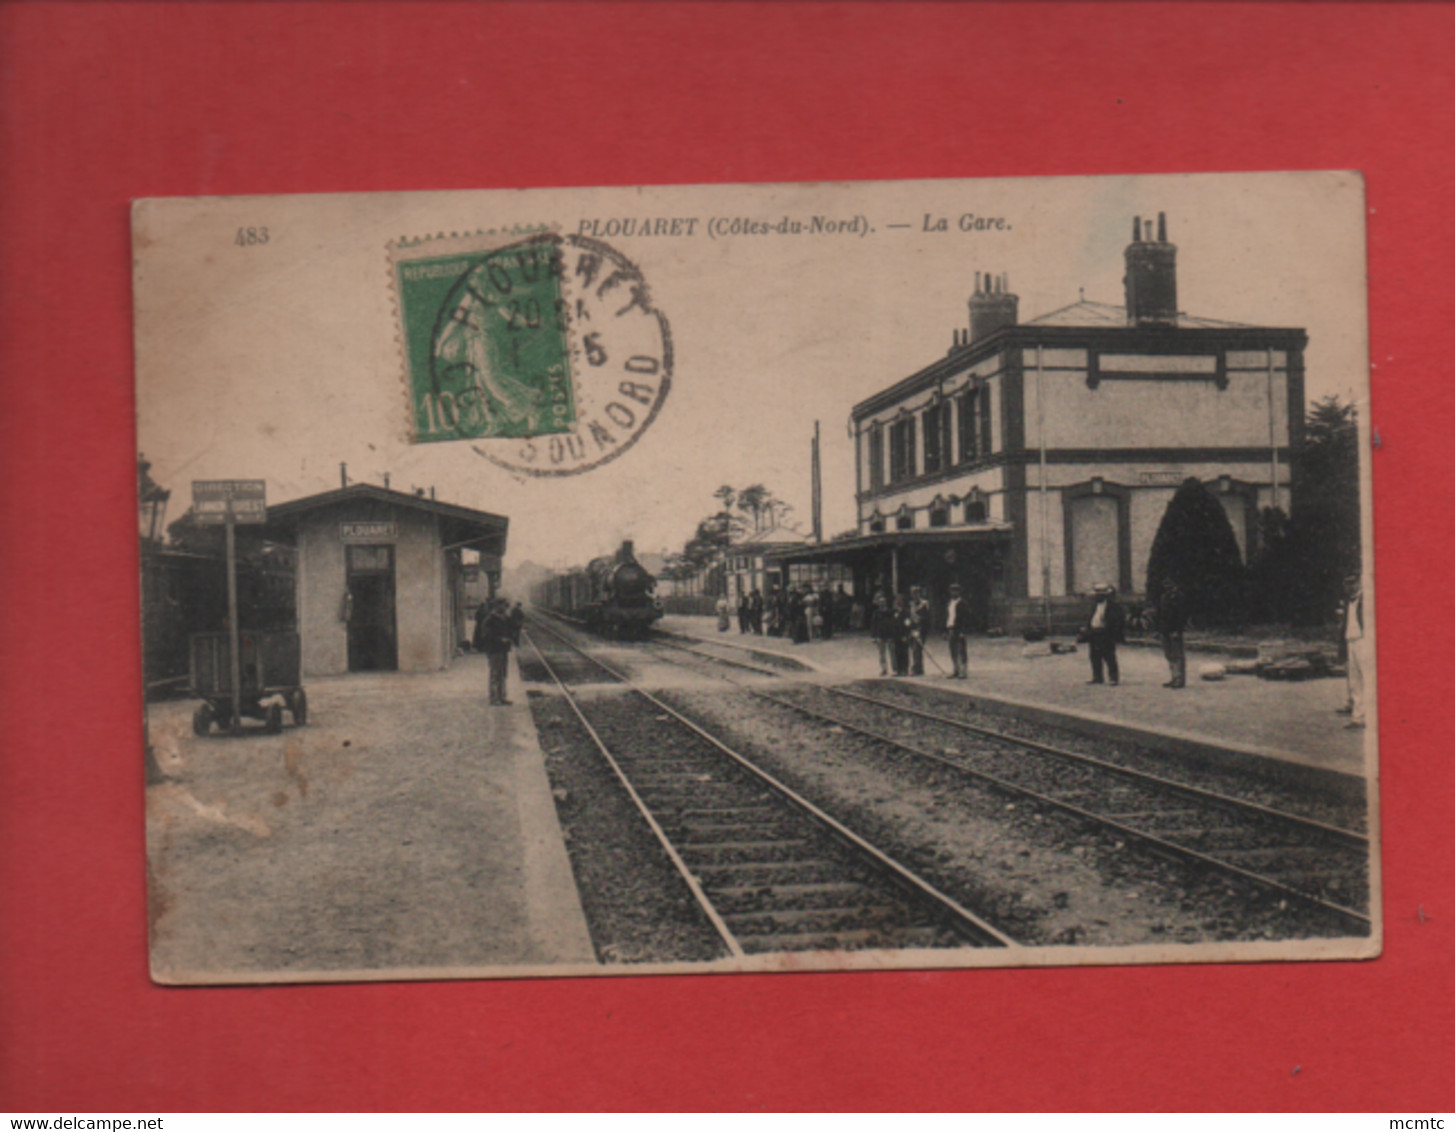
x=612 y=596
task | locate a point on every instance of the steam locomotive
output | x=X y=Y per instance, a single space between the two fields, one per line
x=611 y=596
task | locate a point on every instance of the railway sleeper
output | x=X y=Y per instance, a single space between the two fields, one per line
x=768 y=873
x=742 y=899
x=725 y=812
x=734 y=852
x=857 y=940
x=701 y=833
x=1229 y=842
x=1301 y=857
x=865 y=917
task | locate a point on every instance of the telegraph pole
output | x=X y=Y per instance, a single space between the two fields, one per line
x=817 y=489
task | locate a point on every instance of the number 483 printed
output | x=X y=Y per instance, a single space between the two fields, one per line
x=250 y=237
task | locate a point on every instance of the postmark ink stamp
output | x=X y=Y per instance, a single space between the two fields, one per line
x=544 y=351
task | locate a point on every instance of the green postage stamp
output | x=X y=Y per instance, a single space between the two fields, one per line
x=486 y=347
x=542 y=350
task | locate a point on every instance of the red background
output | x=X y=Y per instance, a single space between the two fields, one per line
x=105 y=102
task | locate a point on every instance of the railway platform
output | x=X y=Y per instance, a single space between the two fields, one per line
x=407 y=830
x=1280 y=727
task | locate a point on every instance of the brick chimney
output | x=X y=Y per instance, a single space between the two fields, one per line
x=1151 y=279
x=992 y=306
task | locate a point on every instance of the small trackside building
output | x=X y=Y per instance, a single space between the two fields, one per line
x=1037 y=459
x=380 y=579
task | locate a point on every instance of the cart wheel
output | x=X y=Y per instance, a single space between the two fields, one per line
x=202 y=718
x=299 y=705
x=273 y=720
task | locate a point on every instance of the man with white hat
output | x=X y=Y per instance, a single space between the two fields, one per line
x=1103 y=630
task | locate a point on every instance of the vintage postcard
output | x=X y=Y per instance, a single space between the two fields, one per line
x=757 y=578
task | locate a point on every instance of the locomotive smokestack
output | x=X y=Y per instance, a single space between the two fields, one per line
x=1151 y=278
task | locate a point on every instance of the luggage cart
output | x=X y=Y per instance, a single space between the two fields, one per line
x=270 y=663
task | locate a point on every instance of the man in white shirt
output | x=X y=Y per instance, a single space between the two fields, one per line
x=957 y=624
x=1354 y=646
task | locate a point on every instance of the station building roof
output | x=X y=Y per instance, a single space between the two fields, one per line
x=459 y=526
x=1088 y=313
x=1081 y=324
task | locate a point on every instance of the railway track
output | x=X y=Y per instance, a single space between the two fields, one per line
x=770 y=871
x=1316 y=864
x=1322 y=866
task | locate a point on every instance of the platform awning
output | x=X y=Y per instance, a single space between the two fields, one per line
x=938 y=537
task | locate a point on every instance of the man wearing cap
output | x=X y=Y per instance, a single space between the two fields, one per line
x=494 y=634
x=957 y=623
x=1104 y=629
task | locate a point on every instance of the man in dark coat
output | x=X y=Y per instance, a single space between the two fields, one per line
x=797 y=616
x=826 y=610
x=881 y=628
x=1105 y=627
x=494 y=634
x=903 y=630
x=1172 y=621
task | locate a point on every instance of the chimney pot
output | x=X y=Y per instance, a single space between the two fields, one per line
x=1151 y=278
x=991 y=307
x=1136 y=229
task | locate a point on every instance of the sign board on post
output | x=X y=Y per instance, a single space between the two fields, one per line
x=214 y=500
x=229 y=502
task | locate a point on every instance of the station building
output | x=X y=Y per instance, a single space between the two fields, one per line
x=381 y=578
x=1036 y=459
x=750 y=567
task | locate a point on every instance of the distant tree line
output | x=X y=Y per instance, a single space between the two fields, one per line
x=740 y=517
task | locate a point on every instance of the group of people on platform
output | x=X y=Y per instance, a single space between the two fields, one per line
x=800 y=613
x=901 y=629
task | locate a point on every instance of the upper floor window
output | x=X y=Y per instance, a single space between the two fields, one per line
x=904 y=520
x=876 y=457
x=974 y=414
x=936 y=436
x=901 y=449
x=939 y=513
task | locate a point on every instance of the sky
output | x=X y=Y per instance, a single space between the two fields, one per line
x=283 y=360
